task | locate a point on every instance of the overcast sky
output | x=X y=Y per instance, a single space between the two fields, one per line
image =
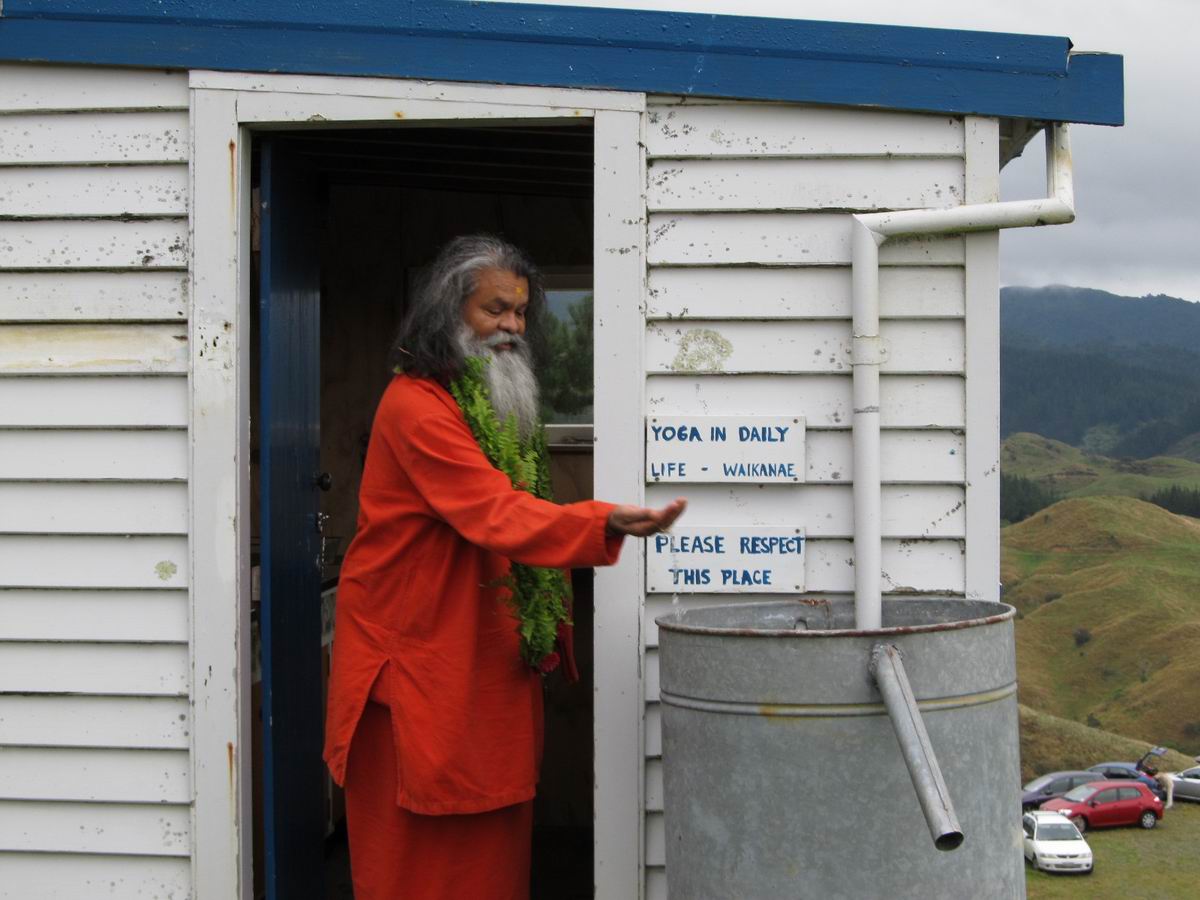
x=1137 y=191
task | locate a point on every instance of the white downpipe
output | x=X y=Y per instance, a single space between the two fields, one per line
x=870 y=231
x=866 y=353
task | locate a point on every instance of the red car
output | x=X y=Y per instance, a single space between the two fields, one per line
x=1101 y=803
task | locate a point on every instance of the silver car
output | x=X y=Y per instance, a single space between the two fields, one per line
x=1187 y=783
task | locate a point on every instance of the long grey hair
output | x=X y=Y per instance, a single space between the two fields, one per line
x=427 y=344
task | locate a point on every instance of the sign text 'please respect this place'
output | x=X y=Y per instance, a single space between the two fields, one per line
x=760 y=449
x=726 y=560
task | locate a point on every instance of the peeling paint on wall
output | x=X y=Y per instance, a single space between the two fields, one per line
x=702 y=350
x=102 y=347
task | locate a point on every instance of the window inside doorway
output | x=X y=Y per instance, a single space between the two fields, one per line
x=565 y=369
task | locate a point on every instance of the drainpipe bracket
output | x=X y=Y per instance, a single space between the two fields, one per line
x=868 y=350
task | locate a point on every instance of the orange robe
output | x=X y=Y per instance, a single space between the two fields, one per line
x=437 y=527
x=401 y=855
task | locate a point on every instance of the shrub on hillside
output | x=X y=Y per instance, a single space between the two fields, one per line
x=1082 y=636
x=1021 y=497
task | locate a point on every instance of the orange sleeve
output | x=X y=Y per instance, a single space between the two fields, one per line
x=456 y=479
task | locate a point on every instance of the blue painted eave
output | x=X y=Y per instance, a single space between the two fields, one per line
x=890 y=67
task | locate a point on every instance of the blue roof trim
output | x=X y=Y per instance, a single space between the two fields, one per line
x=673 y=53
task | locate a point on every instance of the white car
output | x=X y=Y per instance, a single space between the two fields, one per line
x=1053 y=844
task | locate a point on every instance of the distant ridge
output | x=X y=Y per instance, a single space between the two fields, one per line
x=1116 y=375
x=1064 y=316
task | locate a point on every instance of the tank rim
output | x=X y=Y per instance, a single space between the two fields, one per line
x=668 y=623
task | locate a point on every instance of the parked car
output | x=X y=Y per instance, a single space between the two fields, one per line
x=1187 y=783
x=1130 y=772
x=1052 y=786
x=1103 y=803
x=1053 y=844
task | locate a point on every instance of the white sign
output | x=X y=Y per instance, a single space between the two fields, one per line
x=757 y=449
x=725 y=561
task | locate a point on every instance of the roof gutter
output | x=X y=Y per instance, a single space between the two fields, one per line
x=867 y=352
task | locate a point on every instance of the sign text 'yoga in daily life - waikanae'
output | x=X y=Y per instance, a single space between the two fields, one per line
x=762 y=449
x=730 y=560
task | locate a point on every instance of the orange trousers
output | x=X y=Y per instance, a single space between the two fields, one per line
x=400 y=855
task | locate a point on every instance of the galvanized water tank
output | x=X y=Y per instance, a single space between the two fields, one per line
x=783 y=773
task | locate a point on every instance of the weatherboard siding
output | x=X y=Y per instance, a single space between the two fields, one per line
x=52 y=876
x=748 y=313
x=95 y=774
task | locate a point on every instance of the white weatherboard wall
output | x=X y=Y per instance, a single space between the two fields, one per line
x=748 y=313
x=95 y=792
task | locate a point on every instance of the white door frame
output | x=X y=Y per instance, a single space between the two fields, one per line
x=225 y=108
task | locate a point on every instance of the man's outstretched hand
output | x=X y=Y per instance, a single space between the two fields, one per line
x=641 y=522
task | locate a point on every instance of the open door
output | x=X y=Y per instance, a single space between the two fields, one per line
x=290 y=611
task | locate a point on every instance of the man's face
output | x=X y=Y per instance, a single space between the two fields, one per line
x=497 y=305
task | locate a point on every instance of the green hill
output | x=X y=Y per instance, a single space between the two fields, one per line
x=1108 y=591
x=1071 y=472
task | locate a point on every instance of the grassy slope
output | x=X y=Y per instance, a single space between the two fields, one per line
x=1129 y=573
x=1050 y=744
x=1073 y=473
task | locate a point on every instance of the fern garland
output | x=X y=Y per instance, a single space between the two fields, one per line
x=538 y=596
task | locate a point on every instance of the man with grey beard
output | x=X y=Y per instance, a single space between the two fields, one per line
x=512 y=386
x=434 y=723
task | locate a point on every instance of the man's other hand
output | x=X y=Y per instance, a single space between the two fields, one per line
x=640 y=522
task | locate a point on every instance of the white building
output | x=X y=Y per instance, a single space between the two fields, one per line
x=697 y=174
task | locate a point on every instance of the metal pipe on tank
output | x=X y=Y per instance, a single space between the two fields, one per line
x=869 y=232
x=889 y=674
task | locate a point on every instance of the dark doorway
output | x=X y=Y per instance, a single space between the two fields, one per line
x=384 y=201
